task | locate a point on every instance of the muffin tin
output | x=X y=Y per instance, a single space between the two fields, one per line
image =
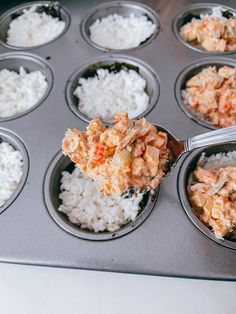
x=185 y=171
x=7 y=18
x=187 y=74
x=166 y=242
x=30 y=62
x=113 y=63
x=122 y=8
x=15 y=142
x=52 y=190
x=196 y=9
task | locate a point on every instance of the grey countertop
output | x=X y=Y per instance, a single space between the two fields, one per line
x=44 y=290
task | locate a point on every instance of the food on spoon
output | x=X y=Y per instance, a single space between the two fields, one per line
x=214 y=32
x=130 y=154
x=211 y=95
x=212 y=193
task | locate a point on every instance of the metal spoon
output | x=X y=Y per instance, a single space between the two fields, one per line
x=180 y=147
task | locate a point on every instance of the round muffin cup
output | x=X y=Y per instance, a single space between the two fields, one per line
x=13 y=140
x=89 y=70
x=122 y=8
x=188 y=73
x=199 y=8
x=52 y=184
x=7 y=18
x=14 y=60
x=187 y=168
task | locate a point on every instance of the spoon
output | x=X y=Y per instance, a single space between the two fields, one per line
x=179 y=147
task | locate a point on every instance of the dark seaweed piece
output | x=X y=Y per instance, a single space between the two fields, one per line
x=128 y=193
x=188 y=18
x=227 y=14
x=53 y=9
x=114 y=68
x=144 y=201
x=16 y=15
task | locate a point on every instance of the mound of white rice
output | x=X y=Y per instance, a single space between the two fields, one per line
x=19 y=92
x=106 y=94
x=11 y=170
x=217 y=160
x=118 y=32
x=87 y=207
x=33 y=29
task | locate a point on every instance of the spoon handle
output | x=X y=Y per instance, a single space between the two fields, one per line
x=220 y=136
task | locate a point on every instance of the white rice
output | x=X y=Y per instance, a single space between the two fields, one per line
x=118 y=32
x=11 y=170
x=87 y=207
x=19 y=92
x=106 y=94
x=33 y=29
x=217 y=160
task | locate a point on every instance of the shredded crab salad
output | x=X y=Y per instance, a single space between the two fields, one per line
x=211 y=95
x=215 y=32
x=130 y=154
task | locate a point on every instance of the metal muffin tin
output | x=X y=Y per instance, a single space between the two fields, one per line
x=89 y=70
x=15 y=142
x=199 y=8
x=52 y=190
x=7 y=18
x=167 y=242
x=13 y=61
x=121 y=8
x=189 y=165
x=189 y=72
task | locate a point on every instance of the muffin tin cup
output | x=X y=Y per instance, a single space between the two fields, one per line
x=123 y=8
x=15 y=141
x=14 y=60
x=189 y=72
x=89 y=70
x=167 y=243
x=52 y=181
x=198 y=8
x=7 y=18
x=187 y=167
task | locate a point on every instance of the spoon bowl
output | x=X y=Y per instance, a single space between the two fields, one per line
x=179 y=147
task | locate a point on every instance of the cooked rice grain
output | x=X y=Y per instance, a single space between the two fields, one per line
x=118 y=32
x=11 y=170
x=19 y=92
x=32 y=29
x=87 y=207
x=108 y=93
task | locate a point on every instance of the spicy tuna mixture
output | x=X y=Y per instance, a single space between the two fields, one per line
x=212 y=193
x=211 y=95
x=215 y=32
x=130 y=154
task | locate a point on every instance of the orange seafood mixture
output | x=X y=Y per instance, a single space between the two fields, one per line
x=213 y=195
x=130 y=154
x=211 y=95
x=215 y=34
